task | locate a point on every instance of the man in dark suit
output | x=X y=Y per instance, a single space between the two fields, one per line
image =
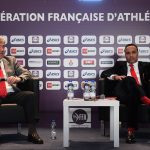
x=12 y=73
x=132 y=76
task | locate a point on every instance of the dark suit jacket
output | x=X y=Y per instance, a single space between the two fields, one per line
x=120 y=68
x=14 y=69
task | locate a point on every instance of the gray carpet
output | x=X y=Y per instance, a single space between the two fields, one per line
x=80 y=139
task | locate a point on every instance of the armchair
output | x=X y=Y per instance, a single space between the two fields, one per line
x=106 y=87
x=13 y=113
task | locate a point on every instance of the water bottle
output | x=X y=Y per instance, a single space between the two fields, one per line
x=93 y=90
x=70 y=92
x=53 y=130
x=86 y=92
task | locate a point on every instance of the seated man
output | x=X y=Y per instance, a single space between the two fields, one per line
x=10 y=74
x=132 y=76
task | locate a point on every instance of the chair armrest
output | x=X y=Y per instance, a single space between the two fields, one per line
x=106 y=87
x=29 y=85
x=100 y=89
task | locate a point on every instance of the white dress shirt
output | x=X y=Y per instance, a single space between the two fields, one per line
x=136 y=69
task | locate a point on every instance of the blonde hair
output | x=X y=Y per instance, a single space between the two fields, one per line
x=2 y=40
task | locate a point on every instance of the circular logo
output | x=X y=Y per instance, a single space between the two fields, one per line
x=79 y=116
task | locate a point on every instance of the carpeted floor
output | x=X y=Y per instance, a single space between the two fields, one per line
x=80 y=139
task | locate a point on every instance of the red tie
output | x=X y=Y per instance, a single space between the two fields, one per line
x=3 y=91
x=133 y=73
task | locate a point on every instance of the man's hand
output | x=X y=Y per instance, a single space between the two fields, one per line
x=13 y=80
x=118 y=77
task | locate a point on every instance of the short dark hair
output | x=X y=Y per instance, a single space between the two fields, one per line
x=131 y=45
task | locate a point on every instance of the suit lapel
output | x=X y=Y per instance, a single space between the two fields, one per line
x=140 y=66
x=124 y=68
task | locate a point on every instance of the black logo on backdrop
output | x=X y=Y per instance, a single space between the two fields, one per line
x=79 y=116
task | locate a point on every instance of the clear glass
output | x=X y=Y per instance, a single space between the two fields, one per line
x=86 y=92
x=70 y=92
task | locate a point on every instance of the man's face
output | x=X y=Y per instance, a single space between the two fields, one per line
x=131 y=54
x=2 y=51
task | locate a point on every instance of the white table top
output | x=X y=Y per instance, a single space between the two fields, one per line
x=98 y=102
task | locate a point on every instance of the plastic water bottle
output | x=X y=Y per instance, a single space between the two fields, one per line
x=70 y=92
x=53 y=130
x=86 y=92
x=93 y=90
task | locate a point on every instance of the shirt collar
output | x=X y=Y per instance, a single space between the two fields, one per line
x=134 y=64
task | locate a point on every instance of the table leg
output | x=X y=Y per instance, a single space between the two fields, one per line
x=116 y=126
x=65 y=125
x=111 y=123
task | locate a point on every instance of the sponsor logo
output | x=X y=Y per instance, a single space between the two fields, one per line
x=53 y=51
x=79 y=116
x=35 y=62
x=71 y=74
x=70 y=62
x=88 y=51
x=106 y=39
x=121 y=59
x=35 y=51
x=20 y=61
x=144 y=59
x=53 y=85
x=120 y=51
x=88 y=39
x=88 y=62
x=17 y=51
x=41 y=85
x=71 y=51
x=71 y=39
x=86 y=74
x=35 y=39
x=17 y=39
x=37 y=73
x=53 y=39
x=75 y=83
x=142 y=39
x=106 y=62
x=53 y=74
x=124 y=39
x=106 y=51
x=53 y=62
x=144 y=51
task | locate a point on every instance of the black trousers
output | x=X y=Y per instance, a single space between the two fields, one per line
x=129 y=93
x=26 y=99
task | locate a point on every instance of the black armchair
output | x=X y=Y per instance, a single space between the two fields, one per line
x=13 y=113
x=106 y=87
